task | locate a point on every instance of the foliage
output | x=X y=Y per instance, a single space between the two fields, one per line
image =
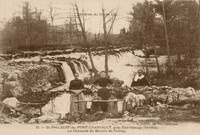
x=27 y=30
x=182 y=17
x=39 y=78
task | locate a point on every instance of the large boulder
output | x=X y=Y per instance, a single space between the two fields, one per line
x=15 y=87
x=36 y=78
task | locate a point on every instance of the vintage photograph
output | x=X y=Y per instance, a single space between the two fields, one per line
x=99 y=67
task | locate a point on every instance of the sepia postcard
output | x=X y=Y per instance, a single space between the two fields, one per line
x=99 y=67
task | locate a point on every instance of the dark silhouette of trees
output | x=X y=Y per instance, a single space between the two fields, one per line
x=171 y=24
x=28 y=31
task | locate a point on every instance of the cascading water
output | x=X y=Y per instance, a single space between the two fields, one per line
x=118 y=65
x=81 y=67
x=78 y=70
x=85 y=69
x=67 y=72
x=123 y=66
x=61 y=104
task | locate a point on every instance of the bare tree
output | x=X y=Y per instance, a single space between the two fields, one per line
x=85 y=38
x=107 y=33
x=52 y=13
x=27 y=16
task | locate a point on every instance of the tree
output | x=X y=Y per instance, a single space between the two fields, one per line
x=85 y=38
x=166 y=38
x=26 y=31
x=107 y=33
x=145 y=28
x=171 y=24
x=182 y=19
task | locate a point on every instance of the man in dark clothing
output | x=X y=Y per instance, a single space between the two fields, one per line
x=103 y=81
x=104 y=92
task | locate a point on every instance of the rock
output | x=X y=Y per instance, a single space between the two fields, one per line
x=153 y=86
x=31 y=110
x=152 y=109
x=1 y=80
x=15 y=87
x=155 y=91
x=149 y=88
x=160 y=105
x=34 y=79
x=11 y=101
x=4 y=74
x=49 y=118
x=46 y=86
x=14 y=76
x=22 y=119
x=186 y=106
x=190 y=91
x=126 y=113
x=1 y=89
x=11 y=84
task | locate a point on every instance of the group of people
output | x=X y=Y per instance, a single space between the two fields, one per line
x=103 y=93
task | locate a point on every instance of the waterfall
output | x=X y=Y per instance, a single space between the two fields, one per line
x=85 y=69
x=67 y=72
x=82 y=68
x=76 y=67
x=61 y=104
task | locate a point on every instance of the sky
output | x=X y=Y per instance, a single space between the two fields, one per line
x=10 y=8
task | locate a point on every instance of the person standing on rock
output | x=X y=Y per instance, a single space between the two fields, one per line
x=103 y=92
x=76 y=87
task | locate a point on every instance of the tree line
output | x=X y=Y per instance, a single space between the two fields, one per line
x=173 y=25
x=30 y=30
